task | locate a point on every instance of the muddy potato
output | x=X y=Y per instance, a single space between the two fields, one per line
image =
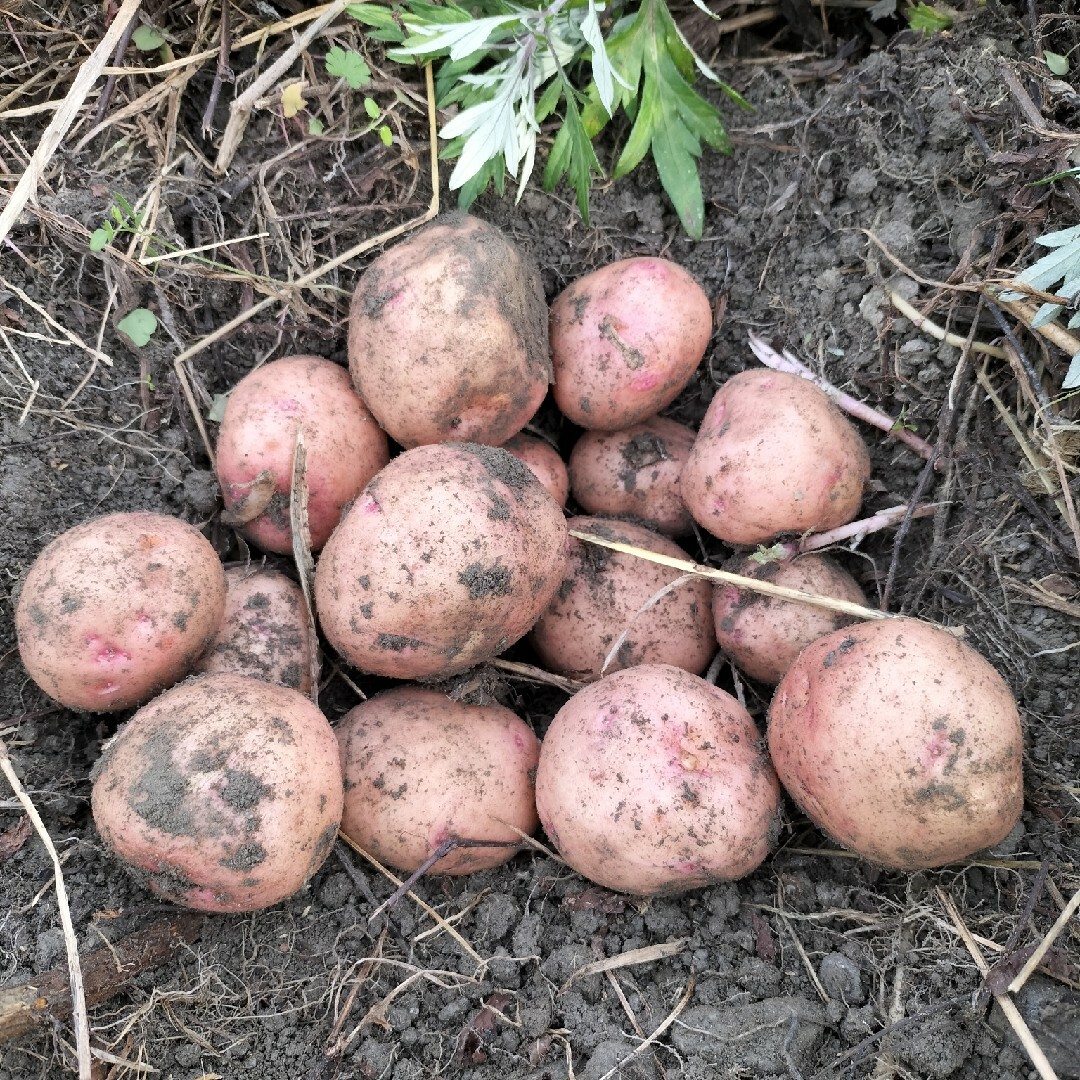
x=447 y=558
x=625 y=340
x=118 y=608
x=901 y=742
x=421 y=769
x=654 y=781
x=264 y=631
x=345 y=448
x=773 y=455
x=763 y=634
x=448 y=338
x=634 y=472
x=222 y=794
x=544 y=460
x=597 y=608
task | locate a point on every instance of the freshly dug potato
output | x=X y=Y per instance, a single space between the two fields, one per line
x=116 y=609
x=345 y=448
x=654 y=781
x=544 y=460
x=421 y=769
x=625 y=340
x=763 y=634
x=602 y=596
x=634 y=472
x=901 y=742
x=264 y=631
x=448 y=338
x=773 y=455
x=223 y=794
x=448 y=557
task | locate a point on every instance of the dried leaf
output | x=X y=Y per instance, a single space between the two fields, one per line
x=764 y=942
x=301 y=544
x=13 y=838
x=253 y=501
x=628 y=959
x=470 y=1047
x=292 y=99
x=596 y=899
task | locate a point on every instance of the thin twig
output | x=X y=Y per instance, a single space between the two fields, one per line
x=221 y=73
x=78 y=999
x=921 y=322
x=51 y=137
x=1008 y=1007
x=1044 y=946
x=668 y=1021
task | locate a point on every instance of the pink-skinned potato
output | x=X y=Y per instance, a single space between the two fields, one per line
x=763 y=634
x=448 y=337
x=345 y=448
x=421 y=770
x=634 y=472
x=222 y=794
x=625 y=340
x=610 y=604
x=544 y=460
x=773 y=455
x=118 y=608
x=448 y=557
x=264 y=631
x=655 y=781
x=901 y=742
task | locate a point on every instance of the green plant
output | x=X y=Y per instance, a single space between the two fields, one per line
x=1060 y=265
x=353 y=68
x=507 y=68
x=122 y=219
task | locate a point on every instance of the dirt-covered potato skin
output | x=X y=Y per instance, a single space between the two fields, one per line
x=773 y=455
x=264 y=631
x=900 y=742
x=655 y=781
x=625 y=340
x=448 y=336
x=634 y=472
x=345 y=448
x=421 y=769
x=222 y=794
x=600 y=596
x=544 y=460
x=447 y=558
x=763 y=634
x=118 y=608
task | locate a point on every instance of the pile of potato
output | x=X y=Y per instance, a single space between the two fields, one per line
x=226 y=791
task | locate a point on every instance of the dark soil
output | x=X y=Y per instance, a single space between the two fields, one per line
x=817 y=964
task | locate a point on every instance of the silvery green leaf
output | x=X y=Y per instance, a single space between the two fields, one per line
x=1063 y=261
x=1062 y=236
x=1072 y=376
x=462 y=39
x=1074 y=322
x=602 y=71
x=698 y=62
x=712 y=14
x=1046 y=314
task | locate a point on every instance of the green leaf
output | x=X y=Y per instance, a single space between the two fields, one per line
x=1058 y=64
x=386 y=135
x=384 y=26
x=349 y=66
x=139 y=325
x=315 y=126
x=371 y=107
x=147 y=38
x=99 y=239
x=928 y=19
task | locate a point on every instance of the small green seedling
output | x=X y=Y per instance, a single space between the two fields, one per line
x=139 y=325
x=765 y=555
x=122 y=219
x=929 y=19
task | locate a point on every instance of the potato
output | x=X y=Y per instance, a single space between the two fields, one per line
x=634 y=472
x=421 y=769
x=264 y=631
x=654 y=781
x=763 y=634
x=118 y=608
x=544 y=460
x=448 y=557
x=625 y=340
x=773 y=455
x=345 y=448
x=602 y=595
x=901 y=742
x=223 y=794
x=448 y=337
